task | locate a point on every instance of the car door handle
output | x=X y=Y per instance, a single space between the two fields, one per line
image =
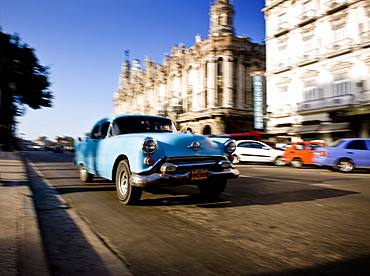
x=350 y=152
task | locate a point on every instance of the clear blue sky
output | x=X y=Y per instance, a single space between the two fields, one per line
x=83 y=43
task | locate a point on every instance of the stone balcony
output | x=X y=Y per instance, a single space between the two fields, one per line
x=333 y=6
x=334 y=103
x=282 y=111
x=282 y=28
x=282 y=65
x=306 y=17
x=308 y=57
x=365 y=39
x=339 y=47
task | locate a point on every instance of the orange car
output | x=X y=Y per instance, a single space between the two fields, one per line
x=301 y=153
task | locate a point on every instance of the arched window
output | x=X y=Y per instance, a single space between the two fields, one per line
x=219 y=67
x=207 y=130
x=219 y=95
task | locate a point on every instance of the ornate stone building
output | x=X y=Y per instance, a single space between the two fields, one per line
x=205 y=88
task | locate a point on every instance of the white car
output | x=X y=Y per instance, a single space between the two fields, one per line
x=256 y=151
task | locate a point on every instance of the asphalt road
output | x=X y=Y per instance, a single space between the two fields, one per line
x=270 y=221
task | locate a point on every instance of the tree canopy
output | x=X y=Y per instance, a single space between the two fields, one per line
x=66 y=140
x=23 y=81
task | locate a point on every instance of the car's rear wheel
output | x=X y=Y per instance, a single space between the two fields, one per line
x=212 y=187
x=279 y=161
x=345 y=165
x=127 y=194
x=85 y=176
x=296 y=163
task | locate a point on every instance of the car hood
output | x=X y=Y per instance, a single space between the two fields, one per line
x=185 y=144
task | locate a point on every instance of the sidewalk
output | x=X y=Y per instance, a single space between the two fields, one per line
x=21 y=251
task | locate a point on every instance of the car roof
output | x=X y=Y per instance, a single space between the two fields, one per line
x=239 y=141
x=308 y=142
x=114 y=117
x=348 y=139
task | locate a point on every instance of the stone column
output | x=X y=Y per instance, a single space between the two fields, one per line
x=240 y=85
x=211 y=83
x=228 y=82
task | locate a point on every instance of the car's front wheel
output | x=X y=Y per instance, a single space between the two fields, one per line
x=344 y=165
x=127 y=194
x=85 y=176
x=212 y=187
x=296 y=163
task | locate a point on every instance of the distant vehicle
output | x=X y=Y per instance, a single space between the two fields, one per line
x=70 y=149
x=345 y=154
x=256 y=151
x=267 y=138
x=58 y=149
x=141 y=151
x=301 y=153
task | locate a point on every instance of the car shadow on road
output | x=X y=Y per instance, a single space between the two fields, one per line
x=257 y=193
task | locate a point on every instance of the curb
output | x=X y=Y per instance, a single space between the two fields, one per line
x=112 y=262
x=33 y=258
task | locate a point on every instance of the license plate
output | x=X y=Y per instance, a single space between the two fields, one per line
x=199 y=174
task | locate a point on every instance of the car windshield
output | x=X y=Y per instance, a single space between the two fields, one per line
x=139 y=124
x=335 y=143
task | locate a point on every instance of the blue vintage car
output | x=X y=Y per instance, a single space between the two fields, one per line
x=140 y=151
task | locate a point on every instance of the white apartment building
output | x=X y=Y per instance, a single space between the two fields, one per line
x=318 y=68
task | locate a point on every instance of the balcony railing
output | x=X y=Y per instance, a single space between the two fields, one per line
x=282 y=110
x=365 y=39
x=362 y=97
x=282 y=65
x=339 y=47
x=282 y=28
x=335 y=5
x=307 y=17
x=326 y=103
x=308 y=57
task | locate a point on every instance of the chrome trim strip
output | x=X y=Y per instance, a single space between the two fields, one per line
x=155 y=178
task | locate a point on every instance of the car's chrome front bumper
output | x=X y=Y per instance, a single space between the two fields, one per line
x=140 y=180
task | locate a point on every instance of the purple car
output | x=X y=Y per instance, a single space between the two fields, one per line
x=345 y=154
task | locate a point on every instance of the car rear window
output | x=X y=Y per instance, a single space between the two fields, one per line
x=137 y=124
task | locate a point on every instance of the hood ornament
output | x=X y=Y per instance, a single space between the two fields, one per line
x=195 y=146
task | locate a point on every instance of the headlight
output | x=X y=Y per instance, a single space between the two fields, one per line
x=149 y=145
x=230 y=146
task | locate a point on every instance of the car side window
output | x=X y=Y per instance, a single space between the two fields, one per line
x=357 y=144
x=299 y=146
x=245 y=145
x=257 y=146
x=104 y=129
x=95 y=133
x=314 y=146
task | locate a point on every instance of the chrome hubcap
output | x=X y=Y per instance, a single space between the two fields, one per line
x=123 y=183
x=345 y=166
x=83 y=172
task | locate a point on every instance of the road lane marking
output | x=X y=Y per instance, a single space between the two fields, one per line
x=284 y=180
